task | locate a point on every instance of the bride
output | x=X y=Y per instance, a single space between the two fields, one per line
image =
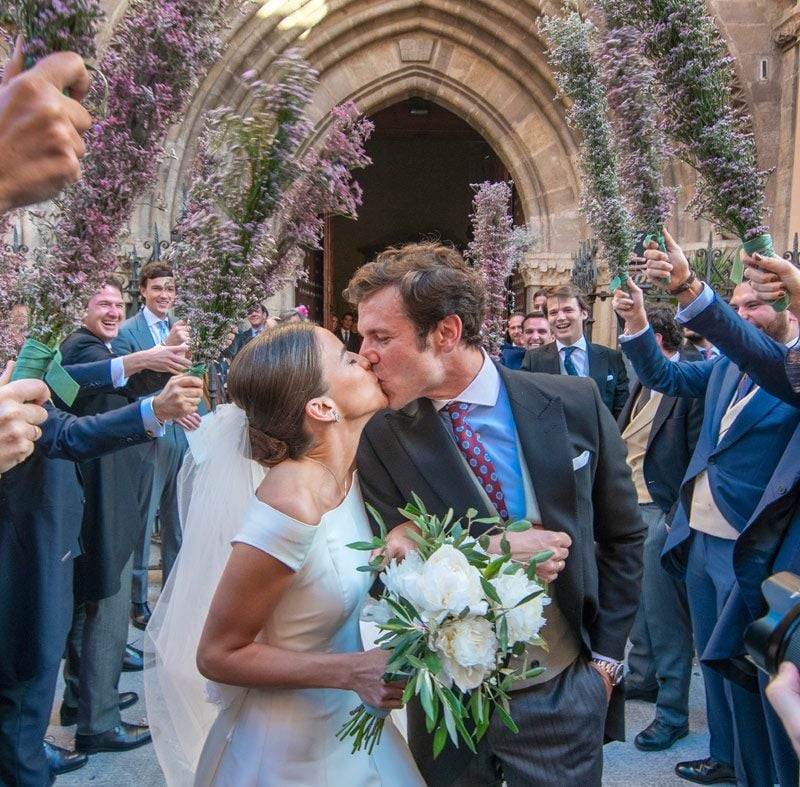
x=281 y=645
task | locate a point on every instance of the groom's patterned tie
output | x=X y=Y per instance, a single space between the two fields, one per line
x=475 y=453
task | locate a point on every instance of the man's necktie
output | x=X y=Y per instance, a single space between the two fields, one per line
x=569 y=364
x=744 y=388
x=163 y=329
x=641 y=401
x=708 y=353
x=477 y=458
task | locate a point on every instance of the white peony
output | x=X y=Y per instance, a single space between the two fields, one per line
x=467 y=649
x=446 y=585
x=524 y=622
x=401 y=578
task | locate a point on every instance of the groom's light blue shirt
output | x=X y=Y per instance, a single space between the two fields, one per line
x=493 y=420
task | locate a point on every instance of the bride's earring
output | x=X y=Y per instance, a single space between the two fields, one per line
x=336 y=416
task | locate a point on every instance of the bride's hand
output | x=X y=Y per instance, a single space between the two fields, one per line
x=368 y=682
x=398 y=544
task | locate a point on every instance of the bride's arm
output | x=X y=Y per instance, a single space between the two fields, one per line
x=251 y=587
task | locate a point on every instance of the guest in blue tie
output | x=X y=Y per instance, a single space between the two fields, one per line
x=572 y=354
x=158 y=486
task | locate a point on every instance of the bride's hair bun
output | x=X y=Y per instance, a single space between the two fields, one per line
x=272 y=379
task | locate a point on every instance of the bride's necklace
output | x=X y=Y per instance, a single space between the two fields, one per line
x=342 y=487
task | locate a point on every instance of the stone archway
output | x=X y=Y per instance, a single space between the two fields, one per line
x=481 y=61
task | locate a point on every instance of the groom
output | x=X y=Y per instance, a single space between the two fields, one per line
x=559 y=461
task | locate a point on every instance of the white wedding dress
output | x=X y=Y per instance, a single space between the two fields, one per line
x=288 y=736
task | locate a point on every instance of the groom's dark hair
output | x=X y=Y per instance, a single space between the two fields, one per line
x=433 y=281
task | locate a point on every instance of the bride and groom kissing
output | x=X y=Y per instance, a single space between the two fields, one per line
x=281 y=644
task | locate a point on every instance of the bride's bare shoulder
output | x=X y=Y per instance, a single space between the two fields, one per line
x=289 y=496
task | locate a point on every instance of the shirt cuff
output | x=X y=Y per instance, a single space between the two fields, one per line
x=601 y=657
x=118 y=377
x=702 y=301
x=152 y=426
x=626 y=337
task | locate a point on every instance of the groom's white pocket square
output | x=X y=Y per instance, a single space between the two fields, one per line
x=609 y=378
x=581 y=460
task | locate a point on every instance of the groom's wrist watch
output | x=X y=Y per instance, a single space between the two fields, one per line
x=614 y=669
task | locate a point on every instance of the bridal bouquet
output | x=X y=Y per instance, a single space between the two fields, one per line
x=453 y=615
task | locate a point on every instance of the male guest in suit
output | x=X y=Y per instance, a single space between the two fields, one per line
x=112 y=525
x=559 y=461
x=536 y=331
x=158 y=494
x=41 y=509
x=258 y=322
x=743 y=436
x=347 y=335
x=572 y=354
x=660 y=433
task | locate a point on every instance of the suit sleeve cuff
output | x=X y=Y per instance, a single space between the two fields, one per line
x=118 y=378
x=702 y=301
x=152 y=426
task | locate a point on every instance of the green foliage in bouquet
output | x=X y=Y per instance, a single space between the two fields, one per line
x=453 y=616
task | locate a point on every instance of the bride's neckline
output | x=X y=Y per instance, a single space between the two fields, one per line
x=330 y=511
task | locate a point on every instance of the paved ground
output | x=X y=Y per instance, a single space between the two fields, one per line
x=625 y=766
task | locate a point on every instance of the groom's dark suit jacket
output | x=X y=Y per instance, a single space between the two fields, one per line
x=557 y=418
x=41 y=504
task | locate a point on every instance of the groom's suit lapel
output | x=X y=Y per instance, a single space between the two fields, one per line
x=546 y=447
x=421 y=432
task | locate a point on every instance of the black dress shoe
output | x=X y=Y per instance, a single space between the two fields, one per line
x=707 y=771
x=659 y=736
x=69 y=716
x=133 y=660
x=636 y=693
x=140 y=615
x=62 y=760
x=122 y=738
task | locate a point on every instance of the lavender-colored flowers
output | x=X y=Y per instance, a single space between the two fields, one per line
x=256 y=201
x=713 y=131
x=160 y=50
x=642 y=153
x=55 y=26
x=572 y=41
x=496 y=249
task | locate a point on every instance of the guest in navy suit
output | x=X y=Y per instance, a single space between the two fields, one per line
x=743 y=437
x=158 y=486
x=41 y=507
x=573 y=354
x=347 y=334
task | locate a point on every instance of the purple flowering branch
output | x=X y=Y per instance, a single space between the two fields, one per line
x=256 y=200
x=712 y=130
x=572 y=44
x=496 y=249
x=642 y=152
x=159 y=52
x=54 y=26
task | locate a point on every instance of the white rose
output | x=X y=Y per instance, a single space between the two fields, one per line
x=447 y=585
x=402 y=578
x=524 y=622
x=467 y=649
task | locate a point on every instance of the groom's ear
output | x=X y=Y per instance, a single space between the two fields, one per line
x=447 y=334
x=322 y=408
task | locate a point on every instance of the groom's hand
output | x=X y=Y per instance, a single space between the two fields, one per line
x=398 y=544
x=531 y=542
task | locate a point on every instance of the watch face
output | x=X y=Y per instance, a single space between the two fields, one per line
x=617 y=674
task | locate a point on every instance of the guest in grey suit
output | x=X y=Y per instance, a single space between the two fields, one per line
x=158 y=486
x=559 y=460
x=572 y=354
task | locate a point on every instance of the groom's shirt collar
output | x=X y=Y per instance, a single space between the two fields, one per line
x=483 y=390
